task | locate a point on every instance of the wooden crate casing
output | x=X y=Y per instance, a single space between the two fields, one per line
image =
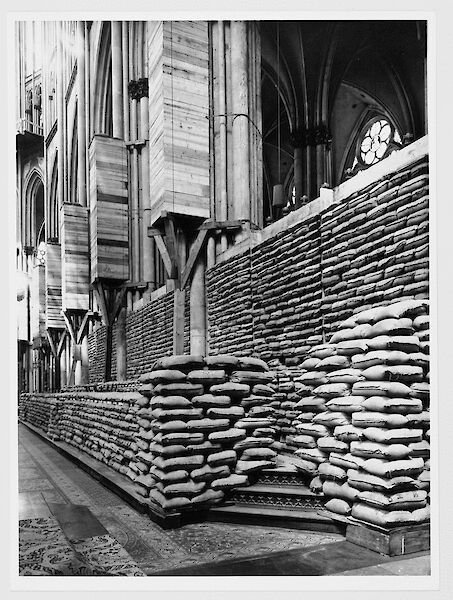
x=75 y=257
x=54 y=305
x=109 y=218
x=38 y=302
x=179 y=124
x=391 y=542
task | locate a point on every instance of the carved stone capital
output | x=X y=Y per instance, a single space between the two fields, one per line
x=138 y=89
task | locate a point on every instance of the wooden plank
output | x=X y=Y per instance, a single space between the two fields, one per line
x=38 y=302
x=75 y=257
x=392 y=542
x=179 y=127
x=109 y=218
x=54 y=318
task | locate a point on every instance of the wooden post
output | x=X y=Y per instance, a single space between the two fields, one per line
x=198 y=309
x=121 y=349
x=117 y=80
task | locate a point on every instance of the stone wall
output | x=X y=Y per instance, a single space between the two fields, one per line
x=280 y=297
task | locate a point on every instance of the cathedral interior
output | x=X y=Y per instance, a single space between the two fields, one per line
x=222 y=258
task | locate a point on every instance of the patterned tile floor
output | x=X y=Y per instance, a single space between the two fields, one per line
x=46 y=476
x=70 y=524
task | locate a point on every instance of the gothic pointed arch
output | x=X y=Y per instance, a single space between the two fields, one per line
x=34 y=209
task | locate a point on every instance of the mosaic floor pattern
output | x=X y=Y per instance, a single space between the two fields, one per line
x=133 y=545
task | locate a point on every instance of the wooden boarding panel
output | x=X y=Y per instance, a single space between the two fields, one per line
x=54 y=305
x=38 y=302
x=391 y=542
x=179 y=126
x=109 y=218
x=75 y=257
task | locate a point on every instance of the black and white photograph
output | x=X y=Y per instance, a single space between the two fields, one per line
x=222 y=298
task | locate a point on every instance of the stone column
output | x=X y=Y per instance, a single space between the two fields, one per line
x=117 y=81
x=81 y=116
x=85 y=371
x=240 y=130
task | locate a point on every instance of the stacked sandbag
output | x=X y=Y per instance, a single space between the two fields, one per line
x=102 y=424
x=205 y=425
x=284 y=402
x=42 y=411
x=375 y=245
x=319 y=361
x=378 y=419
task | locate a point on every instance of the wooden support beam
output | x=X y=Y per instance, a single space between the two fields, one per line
x=164 y=253
x=51 y=343
x=117 y=303
x=101 y=300
x=83 y=324
x=232 y=224
x=69 y=326
x=61 y=342
x=193 y=255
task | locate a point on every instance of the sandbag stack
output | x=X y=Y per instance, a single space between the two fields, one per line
x=205 y=425
x=284 y=402
x=102 y=424
x=375 y=245
x=303 y=440
x=42 y=411
x=371 y=425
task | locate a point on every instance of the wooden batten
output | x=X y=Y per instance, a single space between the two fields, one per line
x=179 y=124
x=38 y=303
x=54 y=318
x=109 y=219
x=75 y=257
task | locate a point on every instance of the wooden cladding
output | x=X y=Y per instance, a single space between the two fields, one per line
x=54 y=305
x=179 y=126
x=75 y=257
x=38 y=302
x=109 y=219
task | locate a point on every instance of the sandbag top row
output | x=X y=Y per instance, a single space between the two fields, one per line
x=397 y=310
x=192 y=362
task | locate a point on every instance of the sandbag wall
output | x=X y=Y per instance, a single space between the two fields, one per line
x=363 y=433
x=42 y=411
x=205 y=426
x=293 y=289
x=101 y=423
x=375 y=246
